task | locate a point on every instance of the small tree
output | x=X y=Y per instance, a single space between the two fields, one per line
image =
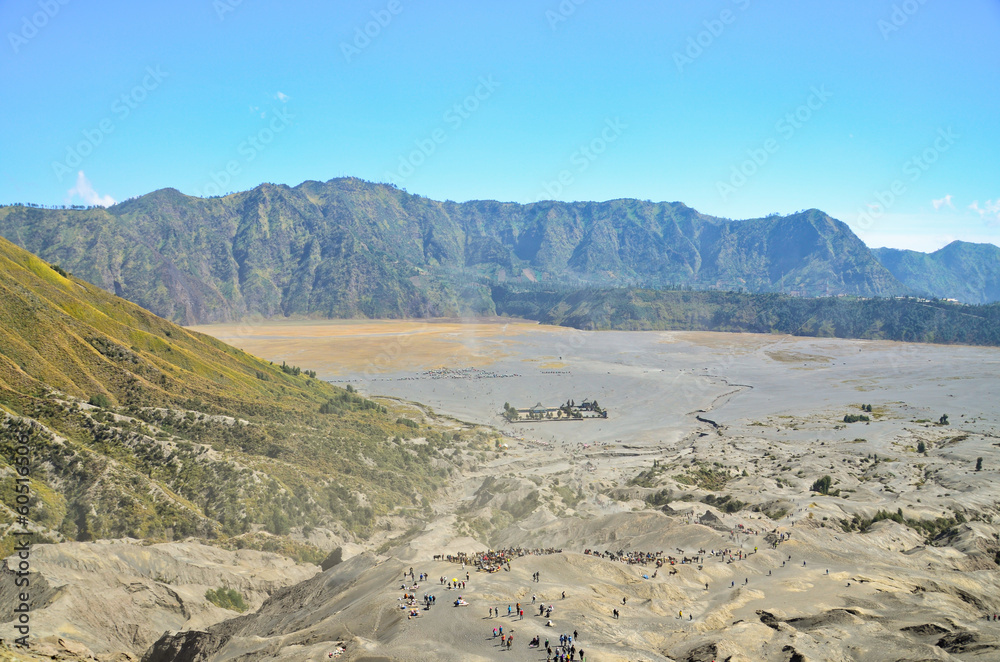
x=226 y=598
x=943 y=420
x=921 y=447
x=979 y=464
x=100 y=400
x=822 y=485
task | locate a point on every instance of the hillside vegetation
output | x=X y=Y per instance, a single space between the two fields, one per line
x=961 y=270
x=138 y=427
x=348 y=248
x=906 y=319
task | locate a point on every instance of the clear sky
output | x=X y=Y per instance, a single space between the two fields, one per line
x=738 y=108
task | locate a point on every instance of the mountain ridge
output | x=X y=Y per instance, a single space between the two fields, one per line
x=968 y=272
x=348 y=248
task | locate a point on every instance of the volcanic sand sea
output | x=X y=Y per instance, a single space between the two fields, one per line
x=763 y=414
x=648 y=380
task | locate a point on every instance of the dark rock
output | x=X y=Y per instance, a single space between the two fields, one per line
x=189 y=646
x=793 y=655
x=769 y=619
x=704 y=653
x=966 y=642
x=335 y=557
x=831 y=617
x=925 y=629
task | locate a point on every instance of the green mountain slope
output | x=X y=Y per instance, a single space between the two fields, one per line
x=184 y=435
x=961 y=270
x=903 y=319
x=350 y=248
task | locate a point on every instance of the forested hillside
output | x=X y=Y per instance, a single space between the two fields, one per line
x=903 y=319
x=967 y=272
x=348 y=248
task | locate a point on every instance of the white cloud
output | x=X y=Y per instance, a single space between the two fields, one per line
x=86 y=191
x=989 y=212
x=281 y=96
x=943 y=202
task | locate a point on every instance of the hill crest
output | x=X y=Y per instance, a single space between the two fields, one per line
x=349 y=248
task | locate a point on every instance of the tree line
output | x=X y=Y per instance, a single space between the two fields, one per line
x=905 y=319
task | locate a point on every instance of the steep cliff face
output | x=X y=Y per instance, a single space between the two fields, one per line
x=347 y=248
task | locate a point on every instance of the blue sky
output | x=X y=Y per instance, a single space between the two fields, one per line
x=883 y=113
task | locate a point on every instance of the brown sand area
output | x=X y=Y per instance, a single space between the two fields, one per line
x=337 y=347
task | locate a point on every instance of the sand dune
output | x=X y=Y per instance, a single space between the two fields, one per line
x=713 y=443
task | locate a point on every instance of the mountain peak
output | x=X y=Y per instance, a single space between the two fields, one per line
x=348 y=247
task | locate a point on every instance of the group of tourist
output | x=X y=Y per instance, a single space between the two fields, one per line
x=495 y=559
x=564 y=651
x=646 y=558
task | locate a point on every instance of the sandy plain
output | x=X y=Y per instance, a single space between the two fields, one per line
x=693 y=418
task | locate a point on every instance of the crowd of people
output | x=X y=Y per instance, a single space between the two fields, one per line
x=563 y=651
x=566 y=647
x=495 y=559
x=636 y=557
x=409 y=599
